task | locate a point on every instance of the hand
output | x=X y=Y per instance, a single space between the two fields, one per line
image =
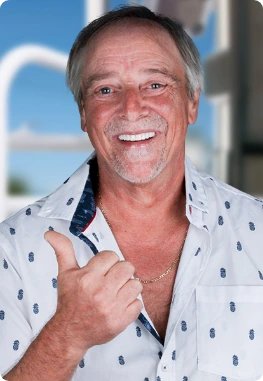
x=95 y=302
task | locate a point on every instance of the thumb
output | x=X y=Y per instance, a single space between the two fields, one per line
x=63 y=249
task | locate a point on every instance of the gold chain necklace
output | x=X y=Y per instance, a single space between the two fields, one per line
x=139 y=279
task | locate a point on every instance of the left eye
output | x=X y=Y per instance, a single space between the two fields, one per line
x=105 y=90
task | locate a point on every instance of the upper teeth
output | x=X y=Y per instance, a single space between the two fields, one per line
x=138 y=137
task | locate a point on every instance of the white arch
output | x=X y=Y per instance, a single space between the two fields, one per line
x=94 y=9
x=10 y=65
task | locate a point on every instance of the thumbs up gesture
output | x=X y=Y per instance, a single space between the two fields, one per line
x=95 y=302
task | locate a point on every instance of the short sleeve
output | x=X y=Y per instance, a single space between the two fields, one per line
x=15 y=329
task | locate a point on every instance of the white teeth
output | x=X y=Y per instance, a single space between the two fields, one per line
x=137 y=138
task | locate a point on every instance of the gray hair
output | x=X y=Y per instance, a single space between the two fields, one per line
x=187 y=49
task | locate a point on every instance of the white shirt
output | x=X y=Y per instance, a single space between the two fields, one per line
x=215 y=327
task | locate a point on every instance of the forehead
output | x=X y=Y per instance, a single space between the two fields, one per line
x=131 y=40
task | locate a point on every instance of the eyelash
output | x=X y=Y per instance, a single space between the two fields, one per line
x=108 y=90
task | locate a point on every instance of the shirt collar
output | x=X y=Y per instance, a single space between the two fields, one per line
x=74 y=199
x=195 y=192
x=65 y=200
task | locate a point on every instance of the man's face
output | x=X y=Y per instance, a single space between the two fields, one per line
x=135 y=107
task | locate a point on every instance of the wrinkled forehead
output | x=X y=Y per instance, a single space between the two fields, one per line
x=131 y=29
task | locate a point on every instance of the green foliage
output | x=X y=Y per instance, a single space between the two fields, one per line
x=18 y=186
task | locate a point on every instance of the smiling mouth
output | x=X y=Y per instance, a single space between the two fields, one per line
x=136 y=137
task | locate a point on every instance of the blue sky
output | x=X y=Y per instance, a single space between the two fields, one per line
x=39 y=96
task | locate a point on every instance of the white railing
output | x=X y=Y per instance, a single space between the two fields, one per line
x=10 y=65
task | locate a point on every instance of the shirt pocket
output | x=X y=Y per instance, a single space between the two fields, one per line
x=230 y=331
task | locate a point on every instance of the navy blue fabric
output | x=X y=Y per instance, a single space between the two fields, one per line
x=83 y=216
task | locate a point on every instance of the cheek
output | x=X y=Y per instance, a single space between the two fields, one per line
x=98 y=113
x=169 y=107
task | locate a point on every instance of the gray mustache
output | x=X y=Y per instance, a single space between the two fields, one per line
x=155 y=123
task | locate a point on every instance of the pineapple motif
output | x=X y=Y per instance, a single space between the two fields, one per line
x=138 y=331
x=5 y=264
x=235 y=360
x=232 y=306
x=223 y=272
x=252 y=334
x=31 y=257
x=36 y=308
x=212 y=333
x=54 y=282
x=16 y=345
x=252 y=226
x=227 y=204
x=183 y=326
x=20 y=294
x=28 y=212
x=220 y=220
x=70 y=201
x=239 y=246
x=121 y=360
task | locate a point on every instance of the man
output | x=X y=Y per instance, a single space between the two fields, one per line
x=103 y=296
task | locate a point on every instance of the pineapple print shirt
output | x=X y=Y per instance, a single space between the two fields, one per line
x=215 y=327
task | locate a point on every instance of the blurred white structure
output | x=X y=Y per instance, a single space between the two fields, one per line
x=193 y=14
x=94 y=9
x=10 y=65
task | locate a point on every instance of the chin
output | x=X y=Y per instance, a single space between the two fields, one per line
x=141 y=174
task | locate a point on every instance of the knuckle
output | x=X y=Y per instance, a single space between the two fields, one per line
x=83 y=281
x=138 y=305
x=98 y=297
x=108 y=254
x=130 y=267
x=137 y=285
x=112 y=328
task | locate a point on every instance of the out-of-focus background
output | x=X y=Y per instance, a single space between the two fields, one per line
x=41 y=142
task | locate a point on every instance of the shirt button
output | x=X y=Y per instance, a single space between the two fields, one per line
x=164 y=367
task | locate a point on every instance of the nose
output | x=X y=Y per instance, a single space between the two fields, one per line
x=133 y=105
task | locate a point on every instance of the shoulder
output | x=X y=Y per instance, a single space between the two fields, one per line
x=223 y=189
x=21 y=225
x=22 y=216
x=237 y=206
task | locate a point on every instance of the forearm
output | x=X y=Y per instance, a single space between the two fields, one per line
x=49 y=357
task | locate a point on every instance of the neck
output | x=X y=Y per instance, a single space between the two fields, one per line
x=160 y=201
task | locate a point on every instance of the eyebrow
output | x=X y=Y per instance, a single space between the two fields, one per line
x=164 y=72
x=87 y=83
x=100 y=76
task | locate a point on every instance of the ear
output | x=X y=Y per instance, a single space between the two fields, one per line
x=193 y=107
x=83 y=119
